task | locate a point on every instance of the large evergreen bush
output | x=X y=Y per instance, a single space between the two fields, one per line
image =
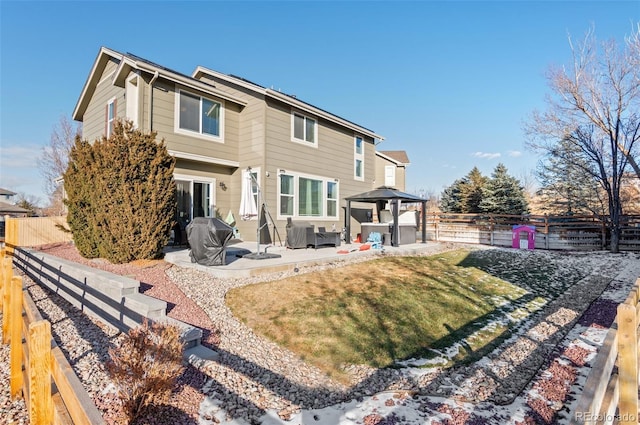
x=121 y=195
x=474 y=193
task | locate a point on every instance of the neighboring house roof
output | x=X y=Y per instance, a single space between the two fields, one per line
x=129 y=61
x=399 y=157
x=288 y=99
x=6 y=208
x=5 y=192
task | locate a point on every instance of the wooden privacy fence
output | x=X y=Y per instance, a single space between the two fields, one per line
x=35 y=231
x=40 y=372
x=610 y=393
x=588 y=232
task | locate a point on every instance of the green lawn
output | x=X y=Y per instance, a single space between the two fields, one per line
x=395 y=308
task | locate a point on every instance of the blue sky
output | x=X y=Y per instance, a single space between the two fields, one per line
x=451 y=83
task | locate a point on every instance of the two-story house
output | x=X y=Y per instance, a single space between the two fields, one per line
x=219 y=127
x=391 y=169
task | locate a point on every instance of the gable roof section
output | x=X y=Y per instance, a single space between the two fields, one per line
x=5 y=207
x=287 y=99
x=128 y=62
x=398 y=157
x=6 y=192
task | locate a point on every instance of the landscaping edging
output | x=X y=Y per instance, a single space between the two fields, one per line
x=112 y=298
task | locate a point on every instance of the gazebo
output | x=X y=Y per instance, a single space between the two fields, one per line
x=394 y=196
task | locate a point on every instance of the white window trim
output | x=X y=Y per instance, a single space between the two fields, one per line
x=391 y=175
x=199 y=135
x=358 y=156
x=199 y=179
x=115 y=115
x=296 y=177
x=315 y=129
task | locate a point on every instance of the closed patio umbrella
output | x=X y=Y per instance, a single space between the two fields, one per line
x=248 y=207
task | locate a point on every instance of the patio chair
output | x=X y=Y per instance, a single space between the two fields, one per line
x=323 y=238
x=375 y=239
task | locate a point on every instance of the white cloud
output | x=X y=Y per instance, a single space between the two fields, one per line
x=486 y=155
x=25 y=156
x=19 y=169
x=515 y=154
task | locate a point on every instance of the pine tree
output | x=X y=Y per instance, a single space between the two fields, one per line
x=451 y=198
x=465 y=194
x=472 y=191
x=503 y=194
x=567 y=182
x=121 y=195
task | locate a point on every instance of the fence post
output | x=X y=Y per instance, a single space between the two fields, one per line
x=491 y=227
x=15 y=325
x=2 y=254
x=7 y=273
x=40 y=401
x=603 y=232
x=10 y=234
x=628 y=363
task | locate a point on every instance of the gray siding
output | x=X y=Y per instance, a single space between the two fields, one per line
x=381 y=163
x=164 y=97
x=333 y=158
x=251 y=153
x=94 y=118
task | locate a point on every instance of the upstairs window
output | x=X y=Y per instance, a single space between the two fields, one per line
x=390 y=175
x=199 y=115
x=358 y=158
x=110 y=116
x=305 y=129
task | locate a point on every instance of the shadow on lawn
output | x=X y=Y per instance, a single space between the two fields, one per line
x=508 y=382
x=239 y=404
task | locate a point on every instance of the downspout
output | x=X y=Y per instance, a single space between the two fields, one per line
x=153 y=80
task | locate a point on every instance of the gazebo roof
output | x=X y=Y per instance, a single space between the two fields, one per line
x=384 y=194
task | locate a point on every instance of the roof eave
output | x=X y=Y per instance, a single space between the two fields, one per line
x=200 y=70
x=204 y=87
x=395 y=161
x=89 y=85
x=124 y=67
x=318 y=112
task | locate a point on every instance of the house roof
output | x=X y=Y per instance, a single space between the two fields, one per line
x=288 y=99
x=399 y=157
x=128 y=61
x=6 y=208
x=6 y=192
x=384 y=194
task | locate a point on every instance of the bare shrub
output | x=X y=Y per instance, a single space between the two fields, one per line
x=145 y=367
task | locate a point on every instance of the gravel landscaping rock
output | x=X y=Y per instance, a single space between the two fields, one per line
x=253 y=378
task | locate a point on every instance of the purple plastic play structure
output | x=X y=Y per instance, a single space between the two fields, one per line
x=524 y=243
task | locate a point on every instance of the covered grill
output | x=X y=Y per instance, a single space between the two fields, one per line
x=208 y=238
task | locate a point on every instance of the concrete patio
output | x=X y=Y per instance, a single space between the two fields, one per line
x=237 y=266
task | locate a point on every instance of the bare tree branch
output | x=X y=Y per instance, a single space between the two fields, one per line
x=595 y=104
x=54 y=158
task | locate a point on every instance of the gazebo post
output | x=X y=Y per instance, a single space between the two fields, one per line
x=424 y=221
x=396 y=227
x=347 y=224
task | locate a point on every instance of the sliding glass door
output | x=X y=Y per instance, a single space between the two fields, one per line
x=195 y=198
